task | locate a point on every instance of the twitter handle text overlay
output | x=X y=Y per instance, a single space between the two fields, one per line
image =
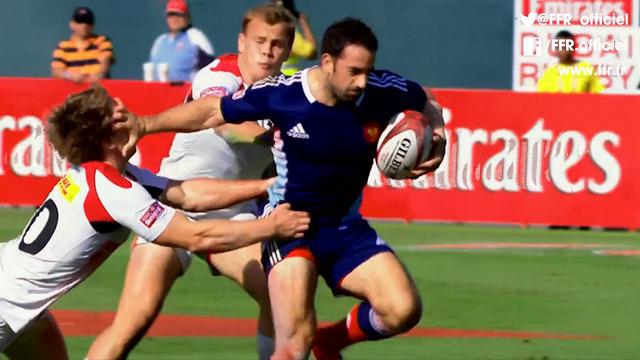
x=534 y=46
x=564 y=19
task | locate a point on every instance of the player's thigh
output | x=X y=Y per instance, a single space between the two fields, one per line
x=383 y=281
x=292 y=286
x=151 y=272
x=242 y=266
x=43 y=340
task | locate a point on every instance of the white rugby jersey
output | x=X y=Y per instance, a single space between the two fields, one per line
x=85 y=217
x=207 y=154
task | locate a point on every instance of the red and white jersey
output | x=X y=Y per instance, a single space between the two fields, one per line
x=207 y=154
x=85 y=217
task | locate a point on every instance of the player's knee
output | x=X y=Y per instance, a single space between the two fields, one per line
x=298 y=344
x=403 y=313
x=294 y=348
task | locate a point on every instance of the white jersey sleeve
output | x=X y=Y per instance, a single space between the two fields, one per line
x=132 y=206
x=214 y=83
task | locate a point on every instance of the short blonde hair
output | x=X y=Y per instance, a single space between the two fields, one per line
x=272 y=14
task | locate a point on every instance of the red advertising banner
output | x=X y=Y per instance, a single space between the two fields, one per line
x=512 y=157
x=526 y=159
x=28 y=166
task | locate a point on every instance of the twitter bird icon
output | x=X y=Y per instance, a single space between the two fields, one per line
x=528 y=20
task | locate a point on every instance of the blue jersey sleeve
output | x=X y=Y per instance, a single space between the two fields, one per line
x=252 y=105
x=415 y=98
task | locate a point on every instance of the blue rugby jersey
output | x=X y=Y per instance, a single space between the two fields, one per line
x=323 y=154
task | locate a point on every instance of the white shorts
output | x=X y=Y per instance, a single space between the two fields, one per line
x=7 y=336
x=185 y=256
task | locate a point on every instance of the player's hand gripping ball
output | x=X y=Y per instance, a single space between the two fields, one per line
x=405 y=143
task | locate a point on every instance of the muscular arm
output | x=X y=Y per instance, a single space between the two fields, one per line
x=209 y=194
x=225 y=235
x=193 y=116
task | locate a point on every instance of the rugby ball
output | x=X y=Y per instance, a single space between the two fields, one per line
x=405 y=143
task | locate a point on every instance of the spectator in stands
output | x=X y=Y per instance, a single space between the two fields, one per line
x=304 y=44
x=184 y=48
x=85 y=57
x=569 y=75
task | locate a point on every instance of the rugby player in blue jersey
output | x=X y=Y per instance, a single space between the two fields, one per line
x=327 y=119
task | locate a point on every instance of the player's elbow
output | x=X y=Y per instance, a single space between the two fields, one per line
x=204 y=202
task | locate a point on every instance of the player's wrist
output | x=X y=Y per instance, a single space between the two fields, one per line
x=271 y=227
x=143 y=124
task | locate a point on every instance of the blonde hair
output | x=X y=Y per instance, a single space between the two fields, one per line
x=272 y=14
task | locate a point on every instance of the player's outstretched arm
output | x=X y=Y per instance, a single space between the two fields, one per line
x=433 y=112
x=196 y=115
x=225 y=235
x=209 y=194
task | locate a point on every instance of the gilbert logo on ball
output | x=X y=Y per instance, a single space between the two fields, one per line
x=405 y=143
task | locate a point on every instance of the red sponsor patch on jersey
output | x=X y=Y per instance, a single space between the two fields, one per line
x=218 y=91
x=152 y=214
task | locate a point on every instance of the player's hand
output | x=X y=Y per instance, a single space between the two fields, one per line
x=289 y=224
x=433 y=111
x=123 y=119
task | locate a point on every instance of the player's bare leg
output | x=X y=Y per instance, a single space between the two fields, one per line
x=151 y=272
x=43 y=341
x=392 y=306
x=243 y=266
x=292 y=287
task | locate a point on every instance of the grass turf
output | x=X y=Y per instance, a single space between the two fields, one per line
x=542 y=290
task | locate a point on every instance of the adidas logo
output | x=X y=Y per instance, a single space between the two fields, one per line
x=298 y=132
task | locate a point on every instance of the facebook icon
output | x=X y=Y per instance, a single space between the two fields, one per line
x=531 y=46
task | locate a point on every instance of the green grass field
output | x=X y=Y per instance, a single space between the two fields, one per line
x=566 y=291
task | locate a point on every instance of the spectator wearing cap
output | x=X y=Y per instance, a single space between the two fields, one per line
x=85 y=57
x=184 y=48
x=569 y=75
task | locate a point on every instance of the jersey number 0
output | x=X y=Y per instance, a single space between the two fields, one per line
x=45 y=232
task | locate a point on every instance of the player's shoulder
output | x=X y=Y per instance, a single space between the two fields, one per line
x=224 y=63
x=279 y=81
x=99 y=171
x=385 y=79
x=221 y=77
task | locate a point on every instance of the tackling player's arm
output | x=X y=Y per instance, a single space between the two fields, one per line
x=225 y=235
x=209 y=194
x=199 y=194
x=131 y=205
